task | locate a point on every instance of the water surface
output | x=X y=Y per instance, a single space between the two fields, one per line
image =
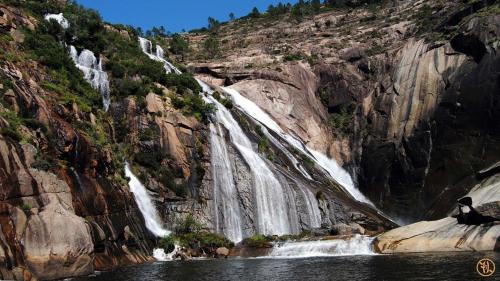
x=448 y=266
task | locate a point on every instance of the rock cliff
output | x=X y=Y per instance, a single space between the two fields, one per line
x=404 y=96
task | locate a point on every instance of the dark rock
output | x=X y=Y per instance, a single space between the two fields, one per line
x=470 y=45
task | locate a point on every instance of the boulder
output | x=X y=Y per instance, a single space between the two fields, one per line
x=58 y=243
x=222 y=252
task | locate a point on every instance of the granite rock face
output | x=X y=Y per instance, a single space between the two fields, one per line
x=411 y=113
x=446 y=234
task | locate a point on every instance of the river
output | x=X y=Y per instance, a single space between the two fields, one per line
x=442 y=266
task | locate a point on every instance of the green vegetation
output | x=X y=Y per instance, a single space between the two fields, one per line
x=293 y=57
x=258 y=241
x=167 y=243
x=26 y=207
x=265 y=241
x=263 y=145
x=342 y=119
x=211 y=46
x=179 y=45
x=228 y=103
x=155 y=162
x=188 y=232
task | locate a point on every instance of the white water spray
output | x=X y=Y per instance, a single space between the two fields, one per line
x=63 y=22
x=356 y=245
x=158 y=55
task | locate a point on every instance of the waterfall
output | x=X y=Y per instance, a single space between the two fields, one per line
x=271 y=207
x=356 y=245
x=146 y=205
x=88 y=64
x=92 y=72
x=311 y=206
x=225 y=193
x=147 y=48
x=63 y=22
x=329 y=165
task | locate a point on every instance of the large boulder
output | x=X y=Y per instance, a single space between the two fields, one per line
x=446 y=234
x=58 y=243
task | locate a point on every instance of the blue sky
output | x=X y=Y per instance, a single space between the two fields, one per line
x=175 y=15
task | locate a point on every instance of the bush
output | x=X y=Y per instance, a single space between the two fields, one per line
x=187 y=225
x=204 y=240
x=292 y=57
x=26 y=207
x=258 y=241
x=211 y=47
x=179 y=45
x=167 y=243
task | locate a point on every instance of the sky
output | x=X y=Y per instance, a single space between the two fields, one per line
x=174 y=15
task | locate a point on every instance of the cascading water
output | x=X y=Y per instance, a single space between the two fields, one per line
x=63 y=22
x=228 y=219
x=87 y=63
x=312 y=206
x=329 y=165
x=92 y=72
x=148 y=211
x=147 y=48
x=356 y=245
x=272 y=215
x=146 y=205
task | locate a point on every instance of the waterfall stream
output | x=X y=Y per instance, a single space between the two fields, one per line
x=93 y=73
x=147 y=48
x=329 y=165
x=146 y=205
x=87 y=63
x=271 y=206
x=228 y=219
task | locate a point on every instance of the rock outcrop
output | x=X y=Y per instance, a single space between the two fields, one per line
x=446 y=234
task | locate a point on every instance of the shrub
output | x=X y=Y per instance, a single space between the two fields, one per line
x=26 y=207
x=292 y=57
x=44 y=163
x=182 y=82
x=258 y=241
x=211 y=47
x=187 y=225
x=167 y=243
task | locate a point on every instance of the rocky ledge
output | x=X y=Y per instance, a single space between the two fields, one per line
x=447 y=235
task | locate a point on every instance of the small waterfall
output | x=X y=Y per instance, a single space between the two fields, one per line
x=312 y=206
x=87 y=63
x=93 y=73
x=225 y=193
x=146 y=205
x=356 y=245
x=147 y=48
x=329 y=165
x=63 y=22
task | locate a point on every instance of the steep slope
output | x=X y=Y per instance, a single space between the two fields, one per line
x=405 y=96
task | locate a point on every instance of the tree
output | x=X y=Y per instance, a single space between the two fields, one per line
x=231 y=16
x=254 y=13
x=211 y=46
x=179 y=45
x=316 y=6
x=213 y=25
